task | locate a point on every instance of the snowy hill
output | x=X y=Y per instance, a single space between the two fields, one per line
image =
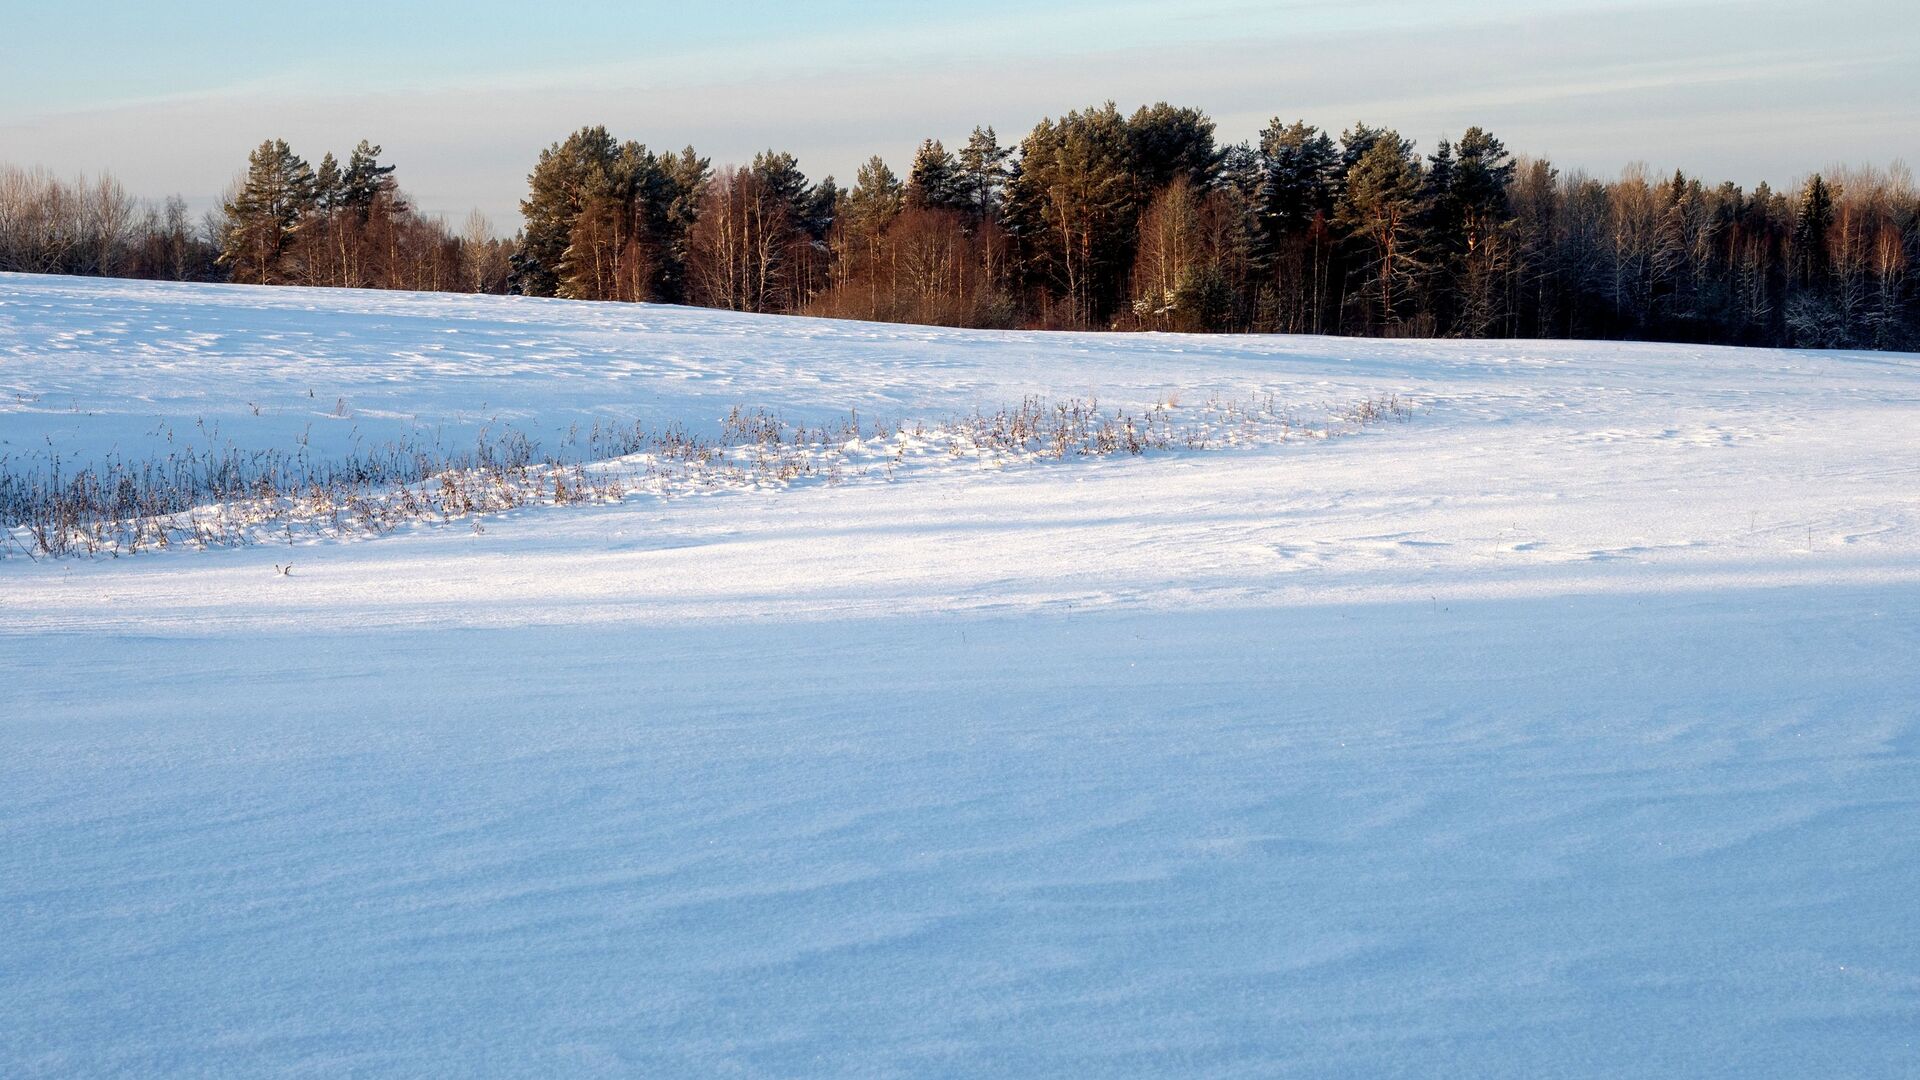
x=1566 y=728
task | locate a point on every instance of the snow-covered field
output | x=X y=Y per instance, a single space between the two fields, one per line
x=1570 y=728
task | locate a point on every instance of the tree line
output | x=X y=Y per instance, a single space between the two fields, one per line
x=285 y=222
x=347 y=225
x=51 y=226
x=1095 y=220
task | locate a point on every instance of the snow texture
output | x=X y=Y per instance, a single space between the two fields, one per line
x=1571 y=728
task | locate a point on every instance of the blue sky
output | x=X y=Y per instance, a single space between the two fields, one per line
x=463 y=95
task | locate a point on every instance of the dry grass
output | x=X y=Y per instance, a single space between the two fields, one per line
x=232 y=497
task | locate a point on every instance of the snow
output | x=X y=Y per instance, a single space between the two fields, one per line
x=1566 y=729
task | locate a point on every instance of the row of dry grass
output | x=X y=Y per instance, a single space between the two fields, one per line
x=229 y=497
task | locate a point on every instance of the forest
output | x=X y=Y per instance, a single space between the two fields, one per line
x=1094 y=220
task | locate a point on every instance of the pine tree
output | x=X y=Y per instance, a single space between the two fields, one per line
x=1303 y=233
x=686 y=175
x=262 y=218
x=876 y=200
x=934 y=181
x=367 y=181
x=780 y=172
x=1301 y=167
x=632 y=197
x=794 y=234
x=1441 y=239
x=1354 y=144
x=614 y=246
x=1480 y=247
x=1440 y=216
x=329 y=185
x=1379 y=210
x=1073 y=207
x=557 y=189
x=1239 y=184
x=1300 y=170
x=983 y=172
x=877 y=196
x=1166 y=143
x=821 y=207
x=1482 y=177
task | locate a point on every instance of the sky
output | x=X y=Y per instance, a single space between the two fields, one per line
x=463 y=94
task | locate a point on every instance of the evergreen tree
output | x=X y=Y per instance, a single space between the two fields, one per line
x=877 y=196
x=366 y=180
x=326 y=248
x=1165 y=143
x=1675 y=243
x=1019 y=204
x=1354 y=144
x=686 y=175
x=565 y=177
x=821 y=208
x=615 y=245
x=983 y=172
x=780 y=172
x=1469 y=240
x=1814 y=315
x=262 y=218
x=1240 y=172
x=866 y=213
x=633 y=198
x=1379 y=210
x=329 y=185
x=1441 y=238
x=1480 y=184
x=795 y=234
x=1440 y=217
x=1073 y=204
x=1300 y=169
x=1810 y=227
x=1238 y=187
x=934 y=181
